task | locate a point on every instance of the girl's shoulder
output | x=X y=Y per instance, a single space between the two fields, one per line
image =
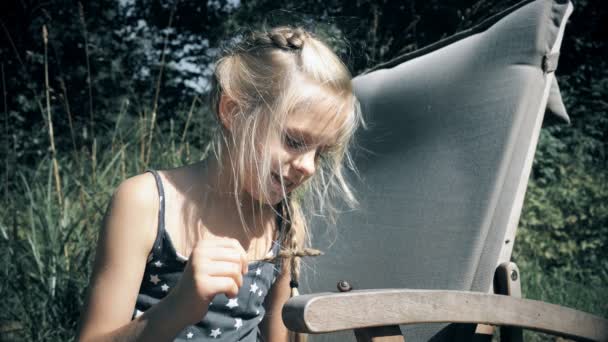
x=126 y=236
x=133 y=209
x=137 y=193
x=137 y=189
x=136 y=202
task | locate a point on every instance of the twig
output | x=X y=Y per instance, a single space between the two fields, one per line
x=15 y=234
x=66 y=101
x=157 y=92
x=86 y=51
x=183 y=139
x=66 y=104
x=45 y=37
x=91 y=115
x=123 y=166
x=142 y=136
x=172 y=140
x=123 y=109
x=291 y=253
x=6 y=144
x=94 y=159
x=10 y=40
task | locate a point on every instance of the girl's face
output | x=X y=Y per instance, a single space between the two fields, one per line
x=294 y=154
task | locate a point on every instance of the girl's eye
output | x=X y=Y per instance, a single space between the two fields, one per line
x=293 y=143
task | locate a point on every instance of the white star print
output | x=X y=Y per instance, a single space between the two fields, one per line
x=154 y=278
x=258 y=272
x=238 y=323
x=158 y=263
x=233 y=303
x=150 y=257
x=260 y=293
x=189 y=335
x=215 y=333
x=165 y=287
x=257 y=312
x=254 y=288
x=138 y=313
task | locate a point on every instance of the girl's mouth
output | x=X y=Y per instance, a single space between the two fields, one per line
x=276 y=180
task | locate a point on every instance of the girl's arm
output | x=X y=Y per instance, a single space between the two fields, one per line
x=129 y=230
x=126 y=238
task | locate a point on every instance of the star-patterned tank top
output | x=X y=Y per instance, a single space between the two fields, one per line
x=227 y=319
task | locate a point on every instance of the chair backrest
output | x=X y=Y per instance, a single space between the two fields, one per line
x=445 y=161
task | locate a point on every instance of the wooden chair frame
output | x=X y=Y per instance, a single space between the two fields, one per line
x=375 y=315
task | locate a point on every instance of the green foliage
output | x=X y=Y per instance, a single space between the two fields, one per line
x=555 y=286
x=564 y=224
x=48 y=247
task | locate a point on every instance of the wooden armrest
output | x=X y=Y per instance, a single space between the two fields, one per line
x=327 y=312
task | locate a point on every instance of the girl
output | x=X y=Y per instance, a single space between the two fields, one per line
x=209 y=251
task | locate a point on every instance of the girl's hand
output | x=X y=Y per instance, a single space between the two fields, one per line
x=216 y=266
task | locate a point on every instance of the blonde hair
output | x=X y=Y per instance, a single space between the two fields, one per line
x=262 y=74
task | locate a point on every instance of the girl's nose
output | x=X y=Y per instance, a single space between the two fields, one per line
x=305 y=163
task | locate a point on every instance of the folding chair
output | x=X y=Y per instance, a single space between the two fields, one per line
x=443 y=167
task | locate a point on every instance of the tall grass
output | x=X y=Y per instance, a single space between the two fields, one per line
x=52 y=214
x=48 y=241
x=553 y=286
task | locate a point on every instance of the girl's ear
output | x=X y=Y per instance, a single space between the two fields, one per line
x=226 y=111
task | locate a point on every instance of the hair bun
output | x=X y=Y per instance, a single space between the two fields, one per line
x=287 y=38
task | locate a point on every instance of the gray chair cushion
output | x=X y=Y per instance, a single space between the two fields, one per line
x=446 y=154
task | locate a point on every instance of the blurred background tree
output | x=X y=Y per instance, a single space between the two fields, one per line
x=127 y=90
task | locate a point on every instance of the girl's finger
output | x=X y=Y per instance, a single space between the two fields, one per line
x=228 y=252
x=226 y=249
x=225 y=285
x=225 y=269
x=223 y=254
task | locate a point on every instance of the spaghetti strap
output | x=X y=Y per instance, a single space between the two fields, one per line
x=165 y=267
x=161 y=209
